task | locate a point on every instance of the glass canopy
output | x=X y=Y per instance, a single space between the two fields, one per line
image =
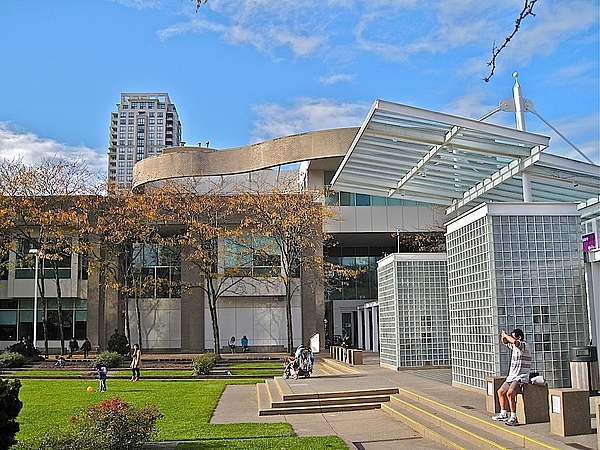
x=411 y=153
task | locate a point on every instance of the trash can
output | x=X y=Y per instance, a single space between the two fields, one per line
x=584 y=368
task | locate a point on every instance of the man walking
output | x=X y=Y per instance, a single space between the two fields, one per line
x=520 y=364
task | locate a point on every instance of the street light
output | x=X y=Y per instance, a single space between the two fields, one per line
x=34 y=251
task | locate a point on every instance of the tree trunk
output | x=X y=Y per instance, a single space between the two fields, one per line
x=42 y=287
x=45 y=326
x=212 y=306
x=215 y=325
x=288 y=316
x=127 y=330
x=61 y=332
x=138 y=316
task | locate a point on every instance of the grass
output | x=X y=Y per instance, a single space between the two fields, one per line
x=187 y=406
x=235 y=369
x=256 y=365
x=290 y=443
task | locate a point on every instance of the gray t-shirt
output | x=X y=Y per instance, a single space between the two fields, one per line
x=520 y=362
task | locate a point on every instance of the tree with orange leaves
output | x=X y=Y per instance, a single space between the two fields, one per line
x=45 y=207
x=293 y=219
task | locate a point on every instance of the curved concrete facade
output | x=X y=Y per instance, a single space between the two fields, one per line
x=181 y=162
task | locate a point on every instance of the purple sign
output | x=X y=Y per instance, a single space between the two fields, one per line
x=589 y=242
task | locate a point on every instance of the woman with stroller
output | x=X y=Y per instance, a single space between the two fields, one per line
x=301 y=364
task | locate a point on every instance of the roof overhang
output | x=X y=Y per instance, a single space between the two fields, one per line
x=416 y=154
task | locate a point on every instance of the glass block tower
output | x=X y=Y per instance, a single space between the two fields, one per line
x=142 y=126
x=515 y=265
x=413 y=310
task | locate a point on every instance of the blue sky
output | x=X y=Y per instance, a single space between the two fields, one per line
x=243 y=71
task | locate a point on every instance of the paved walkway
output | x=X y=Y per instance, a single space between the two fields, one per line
x=374 y=430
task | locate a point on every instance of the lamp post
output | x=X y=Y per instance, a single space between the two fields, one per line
x=34 y=251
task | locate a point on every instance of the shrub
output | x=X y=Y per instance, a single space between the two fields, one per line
x=11 y=359
x=25 y=349
x=203 y=363
x=112 y=425
x=118 y=343
x=10 y=406
x=108 y=359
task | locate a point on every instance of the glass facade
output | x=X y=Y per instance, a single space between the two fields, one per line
x=160 y=268
x=413 y=310
x=16 y=319
x=252 y=256
x=515 y=269
x=352 y=199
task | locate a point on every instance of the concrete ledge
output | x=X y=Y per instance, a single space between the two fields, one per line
x=348 y=355
x=254 y=349
x=532 y=404
x=492 y=404
x=570 y=412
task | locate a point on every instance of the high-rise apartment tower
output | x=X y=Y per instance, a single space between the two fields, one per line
x=142 y=126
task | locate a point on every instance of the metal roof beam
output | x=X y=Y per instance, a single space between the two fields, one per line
x=484 y=127
x=504 y=174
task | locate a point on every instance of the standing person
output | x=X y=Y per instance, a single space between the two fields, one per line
x=73 y=346
x=136 y=362
x=232 y=344
x=86 y=346
x=518 y=373
x=102 y=375
x=345 y=346
x=245 y=343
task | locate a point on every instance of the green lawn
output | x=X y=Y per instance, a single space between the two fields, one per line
x=187 y=406
x=235 y=369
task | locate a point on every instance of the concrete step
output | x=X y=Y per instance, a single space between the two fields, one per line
x=469 y=429
x=275 y=398
x=318 y=409
x=332 y=367
x=442 y=427
x=341 y=394
x=331 y=401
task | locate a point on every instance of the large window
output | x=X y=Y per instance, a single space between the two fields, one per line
x=25 y=269
x=252 y=256
x=16 y=319
x=158 y=268
x=364 y=261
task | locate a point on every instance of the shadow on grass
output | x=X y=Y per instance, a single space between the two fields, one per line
x=284 y=443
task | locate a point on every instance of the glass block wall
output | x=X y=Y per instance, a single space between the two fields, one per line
x=413 y=310
x=515 y=266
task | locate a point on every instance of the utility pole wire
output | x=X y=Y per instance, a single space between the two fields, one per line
x=527 y=11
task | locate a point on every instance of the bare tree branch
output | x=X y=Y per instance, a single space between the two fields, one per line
x=527 y=11
x=199 y=3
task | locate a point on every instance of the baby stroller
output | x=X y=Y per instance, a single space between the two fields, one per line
x=290 y=371
x=299 y=365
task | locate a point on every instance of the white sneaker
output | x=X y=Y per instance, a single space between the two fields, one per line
x=500 y=417
x=512 y=422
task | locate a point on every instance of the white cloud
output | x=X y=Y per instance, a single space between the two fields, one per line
x=394 y=30
x=474 y=104
x=140 y=4
x=31 y=149
x=336 y=78
x=306 y=114
x=584 y=72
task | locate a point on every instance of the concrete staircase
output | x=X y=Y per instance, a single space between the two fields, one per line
x=275 y=398
x=458 y=427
